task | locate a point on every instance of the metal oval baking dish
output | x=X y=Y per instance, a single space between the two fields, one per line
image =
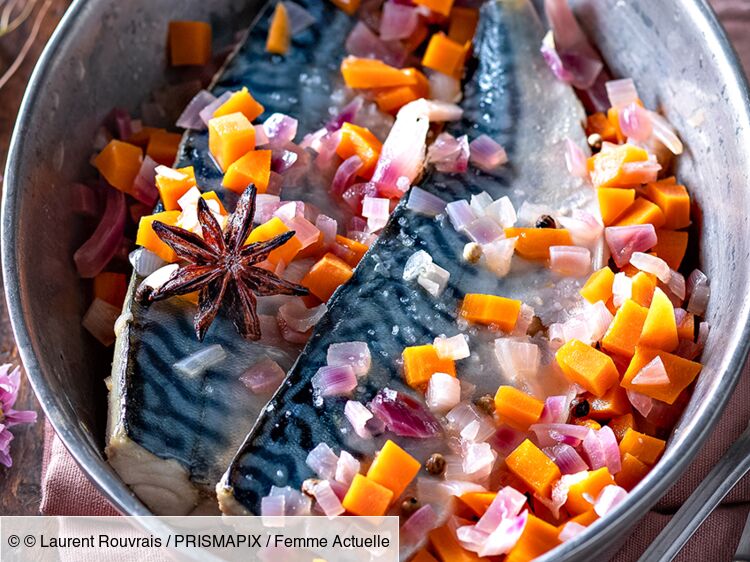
x=103 y=55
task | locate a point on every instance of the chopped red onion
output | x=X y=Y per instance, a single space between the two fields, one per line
x=347 y=468
x=323 y=461
x=641 y=402
x=100 y=248
x=572 y=67
x=304 y=231
x=621 y=92
x=570 y=261
x=507 y=503
x=299 y=18
x=265 y=207
x=398 y=21
x=622 y=289
x=556 y=410
x=623 y=241
x=280 y=130
x=358 y=415
x=460 y=214
x=664 y=133
x=438 y=111
x=362 y=42
x=300 y=318
x=327 y=499
x=552 y=433
x=85 y=200
x=584 y=228
x=144 y=185
x=201 y=361
x=651 y=264
x=289 y=210
x=456 y=347
x=698 y=292
x=264 y=377
x=566 y=458
x=498 y=255
x=570 y=530
x=345 y=174
x=635 y=122
x=479 y=202
x=444 y=88
x=295 y=502
x=502 y=212
x=449 y=154
x=207 y=113
x=478 y=460
x=419 y=524
x=611 y=449
x=424 y=202
x=354 y=195
x=347 y=114
x=466 y=420
x=609 y=498
x=190 y=117
x=484 y=230
x=328 y=227
x=334 y=381
x=443 y=393
x=272 y=510
x=652 y=373
x=598 y=318
x=486 y=154
x=121 y=122
x=403 y=415
x=377 y=208
x=518 y=360
x=676 y=285
x=355 y=354
x=100 y=320
x=575 y=159
x=506 y=439
x=640 y=172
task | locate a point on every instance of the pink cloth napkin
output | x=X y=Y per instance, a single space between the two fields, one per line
x=67 y=491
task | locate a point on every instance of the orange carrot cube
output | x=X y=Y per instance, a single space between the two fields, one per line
x=163 y=147
x=534 y=243
x=581 y=494
x=643 y=288
x=491 y=310
x=607 y=166
x=280 y=31
x=347 y=6
x=147 y=238
x=660 y=328
x=674 y=202
x=240 y=102
x=613 y=201
x=372 y=73
x=360 y=142
x=645 y=448
x=633 y=470
x=111 y=287
x=421 y=362
x=681 y=373
x=598 y=286
x=478 y=502
x=173 y=184
x=625 y=330
x=326 y=276
x=229 y=138
x=671 y=246
x=516 y=408
x=445 y=544
x=613 y=403
x=621 y=424
x=367 y=497
x=533 y=467
x=593 y=370
x=119 y=163
x=597 y=123
x=390 y=100
x=463 y=24
x=355 y=250
x=252 y=168
x=537 y=538
x=271 y=229
x=444 y=55
x=686 y=329
x=393 y=468
x=189 y=43
x=424 y=556
x=642 y=211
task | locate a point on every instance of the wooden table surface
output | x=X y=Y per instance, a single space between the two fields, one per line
x=19 y=485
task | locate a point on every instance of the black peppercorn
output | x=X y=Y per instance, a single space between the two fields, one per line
x=546 y=221
x=582 y=409
x=486 y=404
x=435 y=464
x=409 y=505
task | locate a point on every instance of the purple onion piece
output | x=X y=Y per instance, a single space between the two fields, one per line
x=403 y=415
x=334 y=381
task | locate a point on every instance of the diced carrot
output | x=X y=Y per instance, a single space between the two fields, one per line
x=671 y=246
x=348 y=6
x=478 y=502
x=599 y=124
x=442 y=7
x=445 y=544
x=631 y=472
x=367 y=497
x=163 y=147
x=141 y=138
x=271 y=229
x=119 y=163
x=491 y=310
x=424 y=556
x=660 y=328
x=356 y=250
x=587 y=366
x=279 y=32
x=674 y=202
x=613 y=201
x=614 y=403
x=533 y=467
x=445 y=55
x=390 y=100
x=462 y=24
x=147 y=238
x=393 y=468
x=241 y=102
x=173 y=184
x=537 y=538
x=111 y=287
x=598 y=286
x=643 y=288
x=252 y=168
x=189 y=43
x=588 y=422
x=421 y=362
x=607 y=167
x=642 y=211
x=372 y=73
x=645 y=448
x=588 y=487
x=686 y=329
x=534 y=243
x=516 y=408
x=621 y=424
x=586 y=518
x=229 y=138
x=326 y=276
x=360 y=142
x=625 y=330
x=681 y=373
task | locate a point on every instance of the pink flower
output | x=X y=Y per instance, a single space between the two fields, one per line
x=9 y=380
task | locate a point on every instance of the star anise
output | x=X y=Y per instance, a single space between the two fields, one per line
x=222 y=267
